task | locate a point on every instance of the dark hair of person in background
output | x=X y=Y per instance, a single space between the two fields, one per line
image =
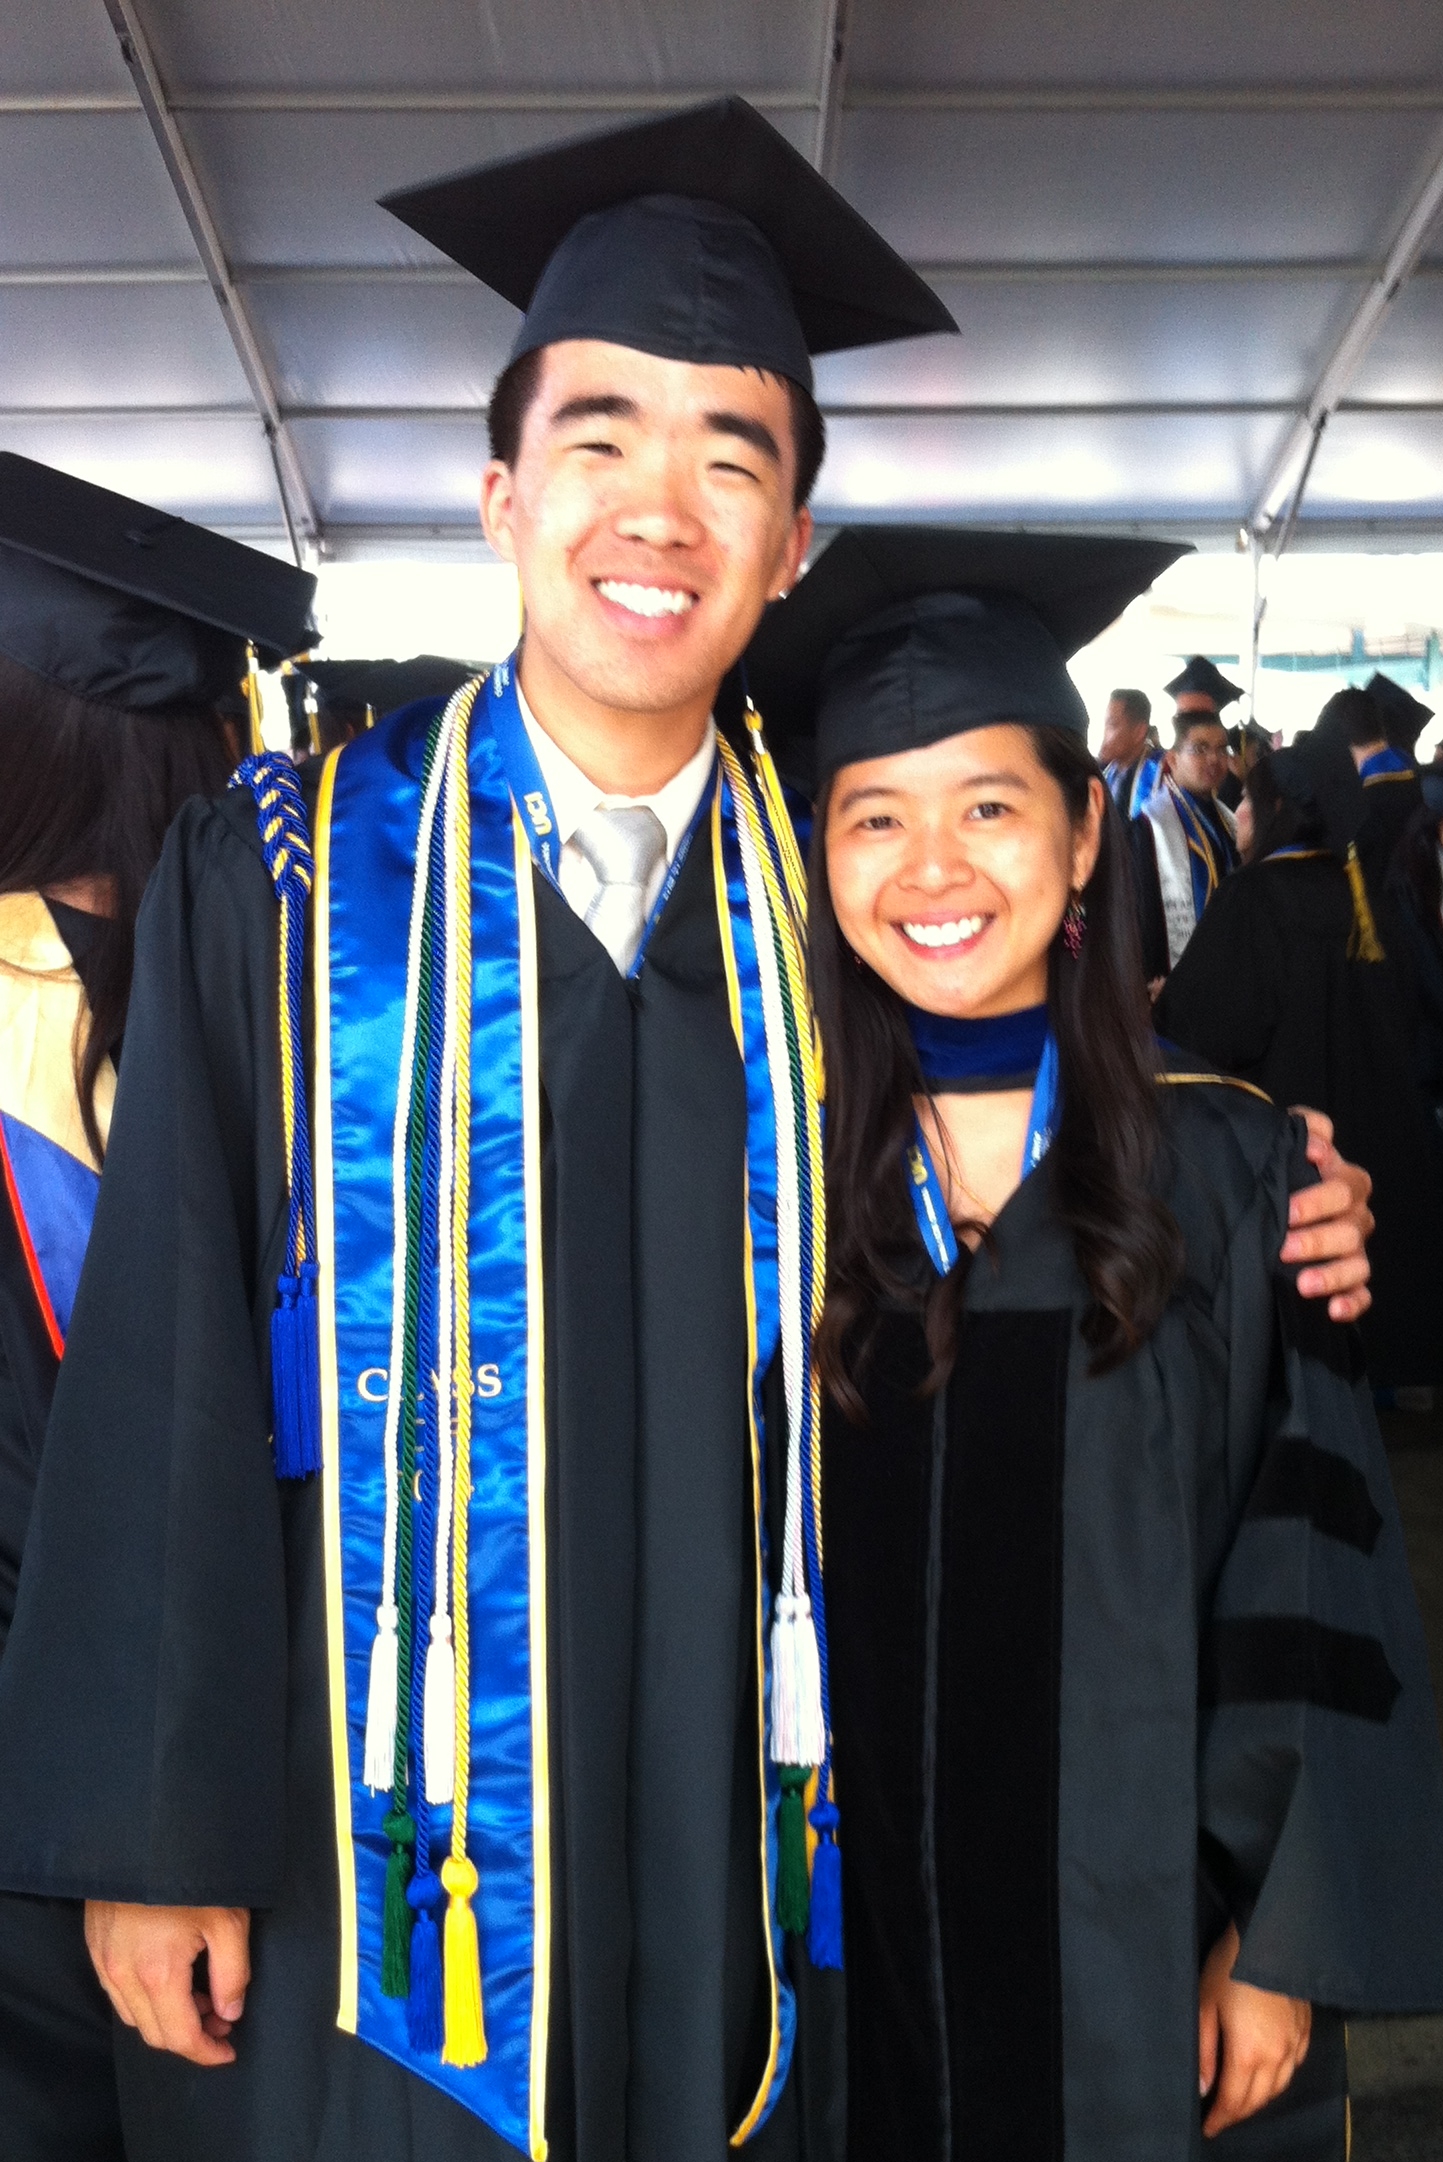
x=1128 y=1247
x=517 y=385
x=1190 y=718
x=89 y=793
x=1355 y=716
x=1278 y=822
x=1135 y=704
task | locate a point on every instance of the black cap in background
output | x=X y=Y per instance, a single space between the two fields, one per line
x=702 y=236
x=385 y=686
x=1318 y=774
x=900 y=636
x=1201 y=676
x=1404 y=716
x=117 y=602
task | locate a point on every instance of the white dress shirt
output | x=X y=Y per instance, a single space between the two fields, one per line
x=574 y=797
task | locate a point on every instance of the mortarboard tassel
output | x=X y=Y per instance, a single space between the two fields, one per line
x=424 y=2025
x=1364 y=944
x=465 y=2042
x=400 y=1829
x=824 y=1933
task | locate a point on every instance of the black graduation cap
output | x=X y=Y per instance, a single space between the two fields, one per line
x=385 y=686
x=900 y=636
x=702 y=236
x=1201 y=675
x=1403 y=714
x=130 y=606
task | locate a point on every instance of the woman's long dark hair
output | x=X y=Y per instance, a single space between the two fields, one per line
x=1278 y=822
x=1128 y=1247
x=87 y=791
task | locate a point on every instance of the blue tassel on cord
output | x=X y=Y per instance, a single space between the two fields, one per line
x=425 y=2026
x=295 y=1374
x=824 y=1930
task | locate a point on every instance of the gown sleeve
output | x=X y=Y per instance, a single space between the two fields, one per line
x=1320 y=1774
x=1147 y=895
x=1223 y=998
x=142 y=1693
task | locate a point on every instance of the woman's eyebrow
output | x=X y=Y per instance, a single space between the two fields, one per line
x=865 y=795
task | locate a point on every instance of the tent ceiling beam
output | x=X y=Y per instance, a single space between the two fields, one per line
x=1415 y=223
x=291 y=483
x=833 y=93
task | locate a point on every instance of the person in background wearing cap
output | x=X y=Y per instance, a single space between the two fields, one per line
x=1288 y=985
x=1131 y=756
x=1083 y=1443
x=332 y=702
x=588 y=1931
x=1415 y=895
x=1183 y=842
x=1368 y=721
x=122 y=634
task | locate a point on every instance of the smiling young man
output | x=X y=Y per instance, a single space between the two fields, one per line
x=602 y=1562
x=1184 y=841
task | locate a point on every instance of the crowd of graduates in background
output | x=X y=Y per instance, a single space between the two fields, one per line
x=1289 y=915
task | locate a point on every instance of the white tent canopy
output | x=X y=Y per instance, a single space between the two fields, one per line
x=1175 y=239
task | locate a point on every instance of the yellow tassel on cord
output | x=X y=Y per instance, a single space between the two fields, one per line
x=465 y=2042
x=1364 y=944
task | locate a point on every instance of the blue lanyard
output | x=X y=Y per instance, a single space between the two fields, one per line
x=533 y=798
x=929 y=1202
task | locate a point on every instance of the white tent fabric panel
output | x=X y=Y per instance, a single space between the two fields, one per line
x=1154 y=225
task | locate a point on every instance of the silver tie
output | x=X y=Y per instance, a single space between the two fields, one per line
x=623 y=848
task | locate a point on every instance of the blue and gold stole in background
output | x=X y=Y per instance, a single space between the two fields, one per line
x=428 y=1234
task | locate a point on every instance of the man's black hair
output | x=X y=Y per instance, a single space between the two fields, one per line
x=1135 y=704
x=1193 y=717
x=517 y=385
x=1356 y=717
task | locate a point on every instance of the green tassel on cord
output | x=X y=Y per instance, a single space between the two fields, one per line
x=400 y=1829
x=793 y=1891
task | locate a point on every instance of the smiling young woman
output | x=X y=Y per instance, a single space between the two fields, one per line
x=1135 y=1752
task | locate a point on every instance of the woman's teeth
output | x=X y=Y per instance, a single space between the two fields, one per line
x=945 y=934
x=645 y=600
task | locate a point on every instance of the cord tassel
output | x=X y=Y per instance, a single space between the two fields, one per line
x=797 y=1732
x=1364 y=943
x=424 y=2028
x=399 y=1827
x=824 y=1934
x=380 y=1760
x=295 y=1375
x=465 y=2042
x=792 y=1895
x=439 y=1713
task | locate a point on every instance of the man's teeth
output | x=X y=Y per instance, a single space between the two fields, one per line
x=945 y=934
x=645 y=600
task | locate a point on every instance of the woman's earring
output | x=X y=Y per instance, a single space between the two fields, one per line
x=856 y=957
x=1074 y=924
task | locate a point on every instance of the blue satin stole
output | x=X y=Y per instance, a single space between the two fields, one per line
x=366 y=828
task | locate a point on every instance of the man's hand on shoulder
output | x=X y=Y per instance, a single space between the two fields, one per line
x=1329 y=1226
x=146 y=1957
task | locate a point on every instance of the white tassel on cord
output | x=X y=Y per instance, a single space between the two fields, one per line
x=439 y=1710
x=797 y=1729
x=380 y=1765
x=797 y=1736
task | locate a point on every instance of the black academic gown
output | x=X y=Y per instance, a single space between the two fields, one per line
x=165 y=1698
x=57 y=2071
x=1266 y=990
x=1389 y=801
x=1113 y=1659
x=1420 y=946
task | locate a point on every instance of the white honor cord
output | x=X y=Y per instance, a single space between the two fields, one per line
x=381 y=1700
x=439 y=1694
x=796 y=1723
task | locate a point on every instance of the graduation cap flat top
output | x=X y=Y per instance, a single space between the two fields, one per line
x=900 y=636
x=119 y=602
x=1202 y=677
x=701 y=236
x=1400 y=707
